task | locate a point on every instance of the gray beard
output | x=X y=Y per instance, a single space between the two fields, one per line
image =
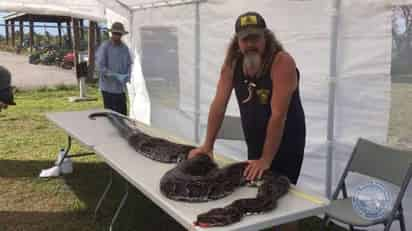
x=251 y=63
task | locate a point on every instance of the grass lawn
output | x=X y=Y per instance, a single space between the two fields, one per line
x=29 y=143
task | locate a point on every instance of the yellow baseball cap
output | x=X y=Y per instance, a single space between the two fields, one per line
x=250 y=23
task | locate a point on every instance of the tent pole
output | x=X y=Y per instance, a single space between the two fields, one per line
x=132 y=42
x=91 y=49
x=80 y=76
x=6 y=28
x=13 y=34
x=197 y=73
x=332 y=92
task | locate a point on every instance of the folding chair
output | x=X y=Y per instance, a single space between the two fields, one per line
x=383 y=163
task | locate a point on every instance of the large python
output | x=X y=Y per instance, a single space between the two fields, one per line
x=152 y=147
x=199 y=179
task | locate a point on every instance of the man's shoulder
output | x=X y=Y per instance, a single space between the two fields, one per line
x=283 y=67
x=283 y=58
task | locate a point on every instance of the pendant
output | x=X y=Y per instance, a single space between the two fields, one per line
x=250 y=88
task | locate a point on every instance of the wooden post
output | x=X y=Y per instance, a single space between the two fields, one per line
x=81 y=79
x=31 y=39
x=91 y=50
x=59 y=31
x=13 y=34
x=76 y=40
x=81 y=29
x=6 y=28
x=21 y=33
x=69 y=34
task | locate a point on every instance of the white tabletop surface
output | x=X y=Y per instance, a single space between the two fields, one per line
x=145 y=175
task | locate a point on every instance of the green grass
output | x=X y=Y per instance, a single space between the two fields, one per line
x=29 y=143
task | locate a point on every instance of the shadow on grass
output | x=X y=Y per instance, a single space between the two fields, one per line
x=46 y=221
x=87 y=182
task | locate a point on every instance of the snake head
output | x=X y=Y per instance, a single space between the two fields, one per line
x=93 y=115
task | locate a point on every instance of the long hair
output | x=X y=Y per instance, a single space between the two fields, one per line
x=273 y=46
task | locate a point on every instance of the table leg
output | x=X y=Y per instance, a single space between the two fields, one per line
x=103 y=196
x=120 y=206
x=67 y=150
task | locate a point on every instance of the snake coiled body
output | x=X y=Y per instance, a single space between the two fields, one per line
x=199 y=179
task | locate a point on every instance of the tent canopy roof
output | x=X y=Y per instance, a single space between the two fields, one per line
x=96 y=9
x=36 y=17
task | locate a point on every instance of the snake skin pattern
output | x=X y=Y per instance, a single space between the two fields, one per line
x=154 y=148
x=199 y=179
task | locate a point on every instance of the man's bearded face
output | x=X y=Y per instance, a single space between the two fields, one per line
x=252 y=48
x=251 y=63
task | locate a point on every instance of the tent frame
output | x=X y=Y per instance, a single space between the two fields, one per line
x=197 y=53
x=333 y=70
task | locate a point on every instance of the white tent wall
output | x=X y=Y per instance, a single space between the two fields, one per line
x=177 y=23
x=363 y=84
x=363 y=93
x=307 y=42
x=362 y=96
x=139 y=100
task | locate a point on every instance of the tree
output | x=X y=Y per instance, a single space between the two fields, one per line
x=402 y=27
x=402 y=39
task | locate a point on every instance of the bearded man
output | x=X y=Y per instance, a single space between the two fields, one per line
x=266 y=82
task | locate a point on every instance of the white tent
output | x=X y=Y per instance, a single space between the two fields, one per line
x=342 y=48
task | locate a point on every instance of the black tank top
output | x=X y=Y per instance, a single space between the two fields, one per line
x=256 y=113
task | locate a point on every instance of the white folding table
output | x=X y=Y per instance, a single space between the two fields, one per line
x=145 y=174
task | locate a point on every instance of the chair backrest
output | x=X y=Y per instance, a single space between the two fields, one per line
x=231 y=129
x=381 y=162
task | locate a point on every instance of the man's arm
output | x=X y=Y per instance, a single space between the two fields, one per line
x=284 y=83
x=217 y=111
